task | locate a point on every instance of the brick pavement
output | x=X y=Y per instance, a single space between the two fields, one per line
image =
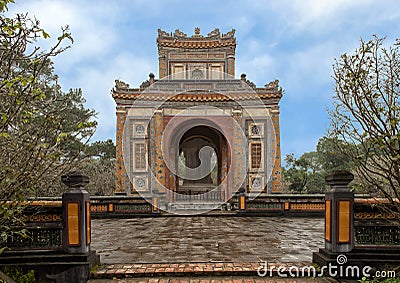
x=203 y=271
x=228 y=279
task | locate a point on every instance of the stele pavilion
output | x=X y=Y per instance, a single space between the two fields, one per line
x=197 y=130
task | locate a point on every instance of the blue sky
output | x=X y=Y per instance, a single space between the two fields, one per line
x=294 y=41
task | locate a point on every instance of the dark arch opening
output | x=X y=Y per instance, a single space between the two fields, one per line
x=189 y=146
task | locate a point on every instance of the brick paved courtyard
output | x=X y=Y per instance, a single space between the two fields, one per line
x=206 y=239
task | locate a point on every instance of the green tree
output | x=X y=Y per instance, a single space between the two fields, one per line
x=366 y=114
x=303 y=175
x=307 y=173
x=42 y=129
x=330 y=156
x=100 y=167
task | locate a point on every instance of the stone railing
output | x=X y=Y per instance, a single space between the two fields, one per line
x=287 y=205
x=58 y=236
x=120 y=206
x=374 y=226
x=43 y=225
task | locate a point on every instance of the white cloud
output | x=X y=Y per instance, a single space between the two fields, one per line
x=291 y=40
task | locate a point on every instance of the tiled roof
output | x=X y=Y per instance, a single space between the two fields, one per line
x=197 y=44
x=194 y=97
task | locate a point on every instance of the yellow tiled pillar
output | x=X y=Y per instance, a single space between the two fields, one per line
x=277 y=169
x=121 y=178
x=159 y=165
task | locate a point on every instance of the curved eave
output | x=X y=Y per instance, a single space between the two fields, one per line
x=197 y=44
x=195 y=97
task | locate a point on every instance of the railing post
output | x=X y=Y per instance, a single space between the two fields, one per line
x=339 y=220
x=155 y=201
x=76 y=214
x=242 y=200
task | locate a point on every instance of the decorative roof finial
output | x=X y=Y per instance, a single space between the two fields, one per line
x=197 y=31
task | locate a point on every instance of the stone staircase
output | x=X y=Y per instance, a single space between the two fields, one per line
x=194 y=206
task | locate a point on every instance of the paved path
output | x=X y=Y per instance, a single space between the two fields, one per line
x=206 y=239
x=207 y=273
x=227 y=279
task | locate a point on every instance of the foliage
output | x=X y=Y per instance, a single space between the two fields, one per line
x=307 y=173
x=303 y=175
x=42 y=129
x=100 y=167
x=18 y=274
x=366 y=114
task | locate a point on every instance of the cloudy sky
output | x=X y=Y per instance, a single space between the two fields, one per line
x=294 y=41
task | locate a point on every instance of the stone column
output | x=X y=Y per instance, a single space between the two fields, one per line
x=339 y=222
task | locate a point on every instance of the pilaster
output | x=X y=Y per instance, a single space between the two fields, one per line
x=120 y=170
x=277 y=169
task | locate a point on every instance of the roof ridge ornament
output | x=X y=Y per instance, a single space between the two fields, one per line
x=229 y=34
x=179 y=34
x=197 y=32
x=215 y=33
x=274 y=85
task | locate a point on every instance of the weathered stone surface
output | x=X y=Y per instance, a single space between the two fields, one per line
x=206 y=239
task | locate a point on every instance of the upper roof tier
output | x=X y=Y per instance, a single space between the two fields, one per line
x=204 y=57
x=214 y=39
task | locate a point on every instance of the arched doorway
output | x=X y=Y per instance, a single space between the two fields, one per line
x=202 y=149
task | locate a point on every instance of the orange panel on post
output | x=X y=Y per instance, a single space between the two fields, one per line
x=328 y=220
x=286 y=206
x=155 y=204
x=73 y=223
x=344 y=221
x=241 y=202
x=88 y=223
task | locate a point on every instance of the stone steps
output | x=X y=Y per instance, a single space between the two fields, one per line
x=195 y=206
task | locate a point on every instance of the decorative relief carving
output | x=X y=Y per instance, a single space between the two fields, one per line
x=139 y=129
x=256 y=183
x=98 y=208
x=200 y=55
x=255 y=130
x=307 y=206
x=197 y=74
x=42 y=218
x=140 y=183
